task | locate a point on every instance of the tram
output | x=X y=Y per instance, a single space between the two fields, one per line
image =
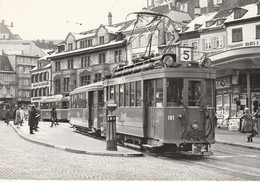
x=59 y=102
x=163 y=103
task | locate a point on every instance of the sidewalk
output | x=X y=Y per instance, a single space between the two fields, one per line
x=236 y=138
x=62 y=137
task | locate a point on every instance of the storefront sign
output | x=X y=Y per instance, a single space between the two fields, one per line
x=245 y=44
x=35 y=85
x=223 y=83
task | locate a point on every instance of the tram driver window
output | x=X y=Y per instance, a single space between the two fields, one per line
x=195 y=93
x=174 y=92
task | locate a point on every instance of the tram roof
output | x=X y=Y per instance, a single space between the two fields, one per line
x=90 y=87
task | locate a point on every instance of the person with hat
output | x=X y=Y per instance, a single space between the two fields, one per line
x=248 y=124
x=32 y=118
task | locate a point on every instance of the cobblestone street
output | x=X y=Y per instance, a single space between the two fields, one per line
x=23 y=160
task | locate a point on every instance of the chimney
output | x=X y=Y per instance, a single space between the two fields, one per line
x=152 y=3
x=109 y=19
x=174 y=3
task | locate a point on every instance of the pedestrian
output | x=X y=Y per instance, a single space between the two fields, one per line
x=54 y=117
x=257 y=117
x=7 y=116
x=22 y=116
x=37 y=119
x=248 y=124
x=18 y=117
x=14 y=113
x=32 y=119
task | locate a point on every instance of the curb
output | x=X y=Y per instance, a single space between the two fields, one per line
x=239 y=145
x=76 y=150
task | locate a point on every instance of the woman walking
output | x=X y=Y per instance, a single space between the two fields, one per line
x=54 y=117
x=248 y=124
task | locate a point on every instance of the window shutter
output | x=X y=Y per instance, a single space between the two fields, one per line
x=203 y=44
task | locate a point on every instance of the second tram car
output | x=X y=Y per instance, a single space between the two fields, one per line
x=59 y=102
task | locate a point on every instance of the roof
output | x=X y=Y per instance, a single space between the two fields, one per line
x=5 y=64
x=164 y=9
x=5 y=30
x=46 y=45
x=226 y=15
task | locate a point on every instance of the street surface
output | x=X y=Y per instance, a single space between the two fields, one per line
x=24 y=160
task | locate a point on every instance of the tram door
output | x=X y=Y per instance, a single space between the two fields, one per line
x=149 y=93
x=91 y=106
x=95 y=108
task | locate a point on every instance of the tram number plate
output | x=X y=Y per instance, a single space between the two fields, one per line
x=170 y=117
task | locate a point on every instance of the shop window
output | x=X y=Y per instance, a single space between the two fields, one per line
x=174 y=92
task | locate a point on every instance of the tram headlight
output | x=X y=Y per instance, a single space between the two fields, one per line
x=170 y=60
x=195 y=125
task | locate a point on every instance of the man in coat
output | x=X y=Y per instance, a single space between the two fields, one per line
x=32 y=119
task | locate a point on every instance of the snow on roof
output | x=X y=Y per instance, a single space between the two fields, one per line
x=227 y=16
x=86 y=49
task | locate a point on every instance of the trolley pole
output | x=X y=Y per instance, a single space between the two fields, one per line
x=111 y=142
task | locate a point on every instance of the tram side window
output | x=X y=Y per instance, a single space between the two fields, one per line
x=44 y=105
x=112 y=92
x=121 y=95
x=150 y=92
x=209 y=93
x=132 y=94
x=126 y=94
x=174 y=92
x=116 y=93
x=195 y=93
x=159 y=93
x=138 y=93
x=65 y=105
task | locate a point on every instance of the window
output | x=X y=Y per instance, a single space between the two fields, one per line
x=174 y=92
x=150 y=92
x=70 y=46
x=257 y=31
x=57 y=66
x=209 y=93
x=112 y=93
x=89 y=42
x=66 y=84
x=142 y=41
x=195 y=93
x=101 y=40
x=219 y=42
x=85 y=80
x=138 y=93
x=126 y=85
x=121 y=95
x=82 y=44
x=118 y=56
x=70 y=64
x=184 y=7
x=159 y=93
x=85 y=62
x=215 y=2
x=56 y=86
x=97 y=77
x=203 y=3
x=132 y=94
x=208 y=43
x=102 y=58
x=237 y=35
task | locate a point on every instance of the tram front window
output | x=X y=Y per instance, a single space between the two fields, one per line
x=195 y=93
x=174 y=92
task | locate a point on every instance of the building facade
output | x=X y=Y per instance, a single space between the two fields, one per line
x=230 y=38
